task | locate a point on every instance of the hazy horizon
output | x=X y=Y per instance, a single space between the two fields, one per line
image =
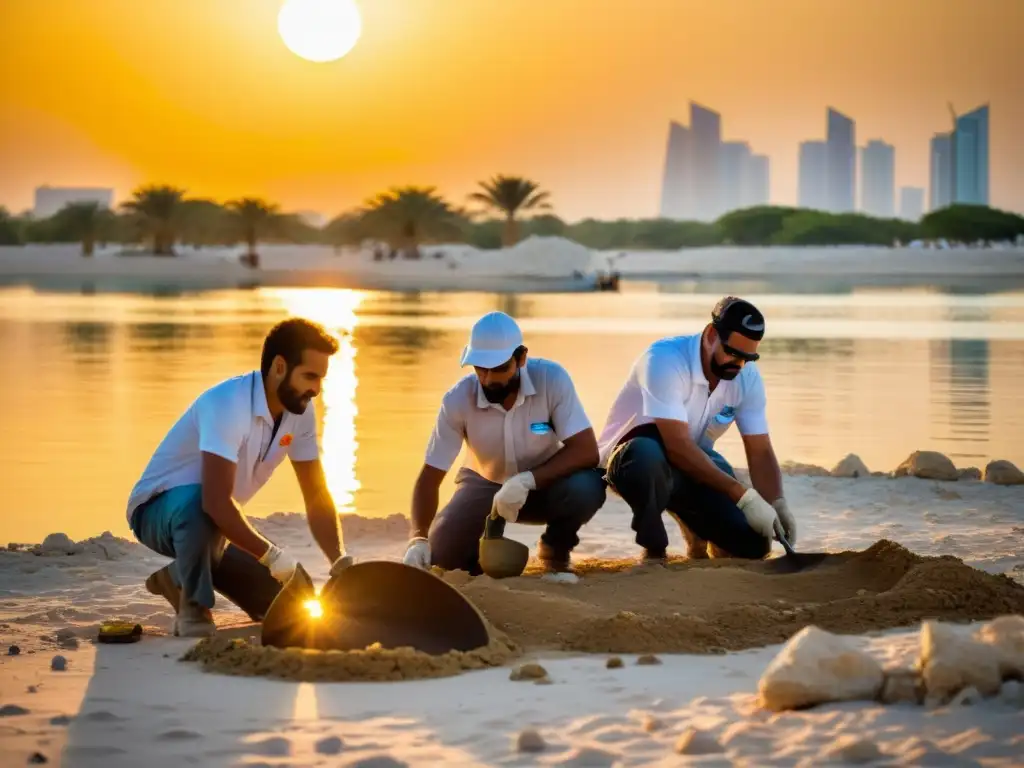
x=576 y=95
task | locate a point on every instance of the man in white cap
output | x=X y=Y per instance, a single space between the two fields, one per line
x=532 y=455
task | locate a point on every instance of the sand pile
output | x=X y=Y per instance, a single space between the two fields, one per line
x=235 y=656
x=709 y=606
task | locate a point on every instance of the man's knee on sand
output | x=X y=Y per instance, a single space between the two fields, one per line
x=577 y=497
x=637 y=467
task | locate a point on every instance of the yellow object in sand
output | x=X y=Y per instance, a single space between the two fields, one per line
x=120 y=632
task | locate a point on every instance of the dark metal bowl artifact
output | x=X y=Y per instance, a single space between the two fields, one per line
x=380 y=601
x=501 y=558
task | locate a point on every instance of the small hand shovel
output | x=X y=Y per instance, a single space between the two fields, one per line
x=792 y=561
x=501 y=558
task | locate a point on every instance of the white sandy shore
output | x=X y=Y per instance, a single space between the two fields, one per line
x=137 y=705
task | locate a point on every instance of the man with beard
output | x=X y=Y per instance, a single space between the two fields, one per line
x=532 y=455
x=218 y=454
x=681 y=395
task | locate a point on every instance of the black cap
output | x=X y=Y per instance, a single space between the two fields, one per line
x=733 y=315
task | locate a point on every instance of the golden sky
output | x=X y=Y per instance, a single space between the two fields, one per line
x=576 y=94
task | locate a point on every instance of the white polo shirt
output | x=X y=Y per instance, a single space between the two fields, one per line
x=231 y=419
x=667 y=382
x=503 y=443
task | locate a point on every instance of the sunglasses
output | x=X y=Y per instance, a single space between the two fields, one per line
x=748 y=357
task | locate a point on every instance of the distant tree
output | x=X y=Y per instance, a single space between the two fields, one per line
x=255 y=218
x=203 y=222
x=158 y=208
x=85 y=222
x=406 y=217
x=509 y=195
x=545 y=225
x=971 y=223
x=9 y=229
x=755 y=226
x=346 y=229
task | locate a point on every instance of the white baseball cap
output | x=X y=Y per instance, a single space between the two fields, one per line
x=493 y=339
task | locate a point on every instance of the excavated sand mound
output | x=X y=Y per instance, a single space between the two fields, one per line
x=699 y=606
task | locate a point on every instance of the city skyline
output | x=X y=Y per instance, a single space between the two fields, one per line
x=574 y=94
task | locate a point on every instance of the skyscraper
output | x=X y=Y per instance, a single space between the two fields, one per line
x=813 y=182
x=940 y=162
x=757 y=186
x=676 y=182
x=733 y=163
x=911 y=203
x=706 y=139
x=970 y=157
x=841 y=176
x=878 y=179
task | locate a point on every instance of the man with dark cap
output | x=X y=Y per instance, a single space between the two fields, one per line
x=657 y=446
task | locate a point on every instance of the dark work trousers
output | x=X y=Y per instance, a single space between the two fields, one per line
x=564 y=507
x=639 y=471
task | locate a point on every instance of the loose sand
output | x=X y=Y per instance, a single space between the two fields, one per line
x=700 y=606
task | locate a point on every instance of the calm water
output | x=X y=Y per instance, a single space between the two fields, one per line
x=92 y=382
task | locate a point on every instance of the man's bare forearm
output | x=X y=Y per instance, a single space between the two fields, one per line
x=424 y=500
x=687 y=456
x=579 y=452
x=323 y=524
x=236 y=528
x=765 y=475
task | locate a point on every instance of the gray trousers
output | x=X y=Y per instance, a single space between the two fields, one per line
x=564 y=507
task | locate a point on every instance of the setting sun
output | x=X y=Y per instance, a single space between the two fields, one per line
x=319 y=30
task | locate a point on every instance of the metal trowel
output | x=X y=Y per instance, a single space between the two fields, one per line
x=792 y=561
x=501 y=558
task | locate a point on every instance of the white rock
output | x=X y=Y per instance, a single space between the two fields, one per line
x=1003 y=472
x=951 y=660
x=804 y=470
x=58 y=544
x=696 y=742
x=851 y=466
x=530 y=740
x=816 y=666
x=968 y=474
x=1006 y=635
x=931 y=465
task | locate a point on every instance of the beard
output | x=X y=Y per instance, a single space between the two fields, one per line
x=292 y=399
x=496 y=393
x=726 y=372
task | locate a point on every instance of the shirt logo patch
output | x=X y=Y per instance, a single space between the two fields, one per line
x=540 y=428
x=285 y=441
x=726 y=414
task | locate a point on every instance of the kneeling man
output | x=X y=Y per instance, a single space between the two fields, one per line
x=532 y=455
x=218 y=454
x=658 y=443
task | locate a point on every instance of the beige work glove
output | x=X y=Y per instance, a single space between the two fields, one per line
x=512 y=495
x=761 y=515
x=786 y=520
x=417 y=554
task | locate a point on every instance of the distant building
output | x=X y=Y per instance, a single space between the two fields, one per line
x=841 y=176
x=757 y=186
x=813 y=175
x=878 y=179
x=706 y=139
x=49 y=200
x=911 y=203
x=940 y=171
x=676 y=177
x=970 y=158
x=734 y=165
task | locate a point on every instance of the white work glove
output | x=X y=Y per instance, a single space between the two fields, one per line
x=418 y=553
x=341 y=564
x=786 y=520
x=280 y=563
x=759 y=513
x=512 y=495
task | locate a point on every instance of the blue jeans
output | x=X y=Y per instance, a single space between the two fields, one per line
x=174 y=524
x=640 y=472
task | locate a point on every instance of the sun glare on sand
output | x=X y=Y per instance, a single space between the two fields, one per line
x=319 y=30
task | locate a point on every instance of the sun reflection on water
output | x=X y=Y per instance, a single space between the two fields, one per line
x=335 y=309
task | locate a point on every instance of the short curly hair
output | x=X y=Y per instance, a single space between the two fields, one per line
x=291 y=338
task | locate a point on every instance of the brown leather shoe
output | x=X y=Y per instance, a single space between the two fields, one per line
x=161 y=583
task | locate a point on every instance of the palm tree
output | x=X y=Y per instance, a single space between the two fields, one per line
x=405 y=217
x=86 y=221
x=255 y=218
x=508 y=195
x=158 y=210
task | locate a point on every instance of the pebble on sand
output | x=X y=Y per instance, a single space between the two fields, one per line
x=951 y=660
x=849 y=748
x=850 y=466
x=528 y=672
x=530 y=740
x=969 y=474
x=13 y=650
x=696 y=742
x=11 y=710
x=647 y=659
x=58 y=664
x=815 y=667
x=330 y=745
x=651 y=724
x=614 y=663
x=1002 y=472
x=37 y=758
x=929 y=465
